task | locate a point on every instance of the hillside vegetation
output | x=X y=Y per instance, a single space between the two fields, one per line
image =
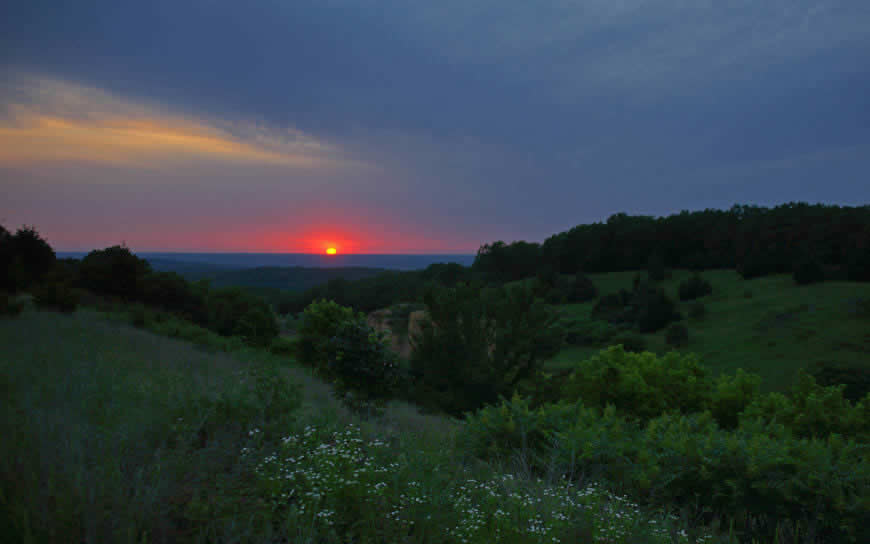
x=777 y=330
x=711 y=364
x=113 y=434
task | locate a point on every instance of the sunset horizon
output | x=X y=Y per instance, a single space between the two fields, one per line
x=419 y=129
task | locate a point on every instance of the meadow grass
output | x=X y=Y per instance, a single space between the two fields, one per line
x=782 y=328
x=113 y=434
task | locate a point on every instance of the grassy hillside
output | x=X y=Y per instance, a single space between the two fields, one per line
x=113 y=434
x=779 y=329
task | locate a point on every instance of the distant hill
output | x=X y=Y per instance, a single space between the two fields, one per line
x=292 y=278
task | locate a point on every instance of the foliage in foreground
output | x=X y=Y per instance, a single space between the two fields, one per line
x=758 y=473
x=349 y=489
x=184 y=446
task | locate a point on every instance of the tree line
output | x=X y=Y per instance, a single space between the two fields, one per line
x=28 y=263
x=754 y=240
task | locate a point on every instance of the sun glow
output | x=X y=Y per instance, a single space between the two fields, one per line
x=331 y=251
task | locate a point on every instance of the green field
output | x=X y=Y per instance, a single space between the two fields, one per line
x=783 y=327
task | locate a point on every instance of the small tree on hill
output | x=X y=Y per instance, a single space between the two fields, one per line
x=479 y=344
x=25 y=259
x=361 y=365
x=695 y=287
x=808 y=270
x=114 y=271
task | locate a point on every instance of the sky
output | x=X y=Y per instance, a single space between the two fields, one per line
x=418 y=126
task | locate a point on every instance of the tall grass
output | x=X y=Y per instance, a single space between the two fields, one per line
x=112 y=434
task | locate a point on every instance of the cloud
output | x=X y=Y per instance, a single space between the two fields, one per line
x=45 y=119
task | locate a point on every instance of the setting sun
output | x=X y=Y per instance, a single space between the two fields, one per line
x=331 y=251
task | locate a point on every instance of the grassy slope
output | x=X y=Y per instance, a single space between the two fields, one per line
x=782 y=328
x=99 y=445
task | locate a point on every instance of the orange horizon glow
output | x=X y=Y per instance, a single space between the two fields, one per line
x=331 y=251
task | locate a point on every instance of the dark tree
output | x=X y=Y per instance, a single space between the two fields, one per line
x=114 y=271
x=25 y=257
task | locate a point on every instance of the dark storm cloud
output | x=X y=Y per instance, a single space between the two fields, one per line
x=502 y=119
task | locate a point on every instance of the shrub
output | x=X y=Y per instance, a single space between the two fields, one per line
x=582 y=289
x=479 y=344
x=614 y=308
x=677 y=335
x=56 y=296
x=808 y=270
x=648 y=308
x=654 y=310
x=114 y=271
x=855 y=376
x=25 y=259
x=284 y=346
x=361 y=365
x=694 y=287
x=9 y=306
x=590 y=332
x=235 y=312
x=756 y=264
x=501 y=430
x=812 y=411
x=747 y=294
x=320 y=321
x=630 y=341
x=171 y=292
x=731 y=395
x=641 y=385
x=697 y=310
x=688 y=461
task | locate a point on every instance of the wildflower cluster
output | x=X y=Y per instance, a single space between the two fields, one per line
x=341 y=482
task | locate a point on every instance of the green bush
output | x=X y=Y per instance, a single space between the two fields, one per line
x=56 y=296
x=171 y=292
x=630 y=341
x=25 y=259
x=747 y=294
x=614 y=308
x=640 y=385
x=114 y=271
x=587 y=332
x=855 y=376
x=361 y=365
x=677 y=335
x=731 y=395
x=582 y=289
x=235 y=312
x=813 y=411
x=284 y=346
x=498 y=431
x=479 y=344
x=808 y=270
x=757 y=477
x=697 y=310
x=694 y=287
x=320 y=321
x=654 y=310
x=9 y=306
x=648 y=308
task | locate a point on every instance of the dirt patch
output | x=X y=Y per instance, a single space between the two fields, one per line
x=400 y=333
